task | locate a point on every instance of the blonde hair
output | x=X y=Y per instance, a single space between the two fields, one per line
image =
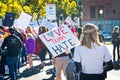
x=29 y=30
x=89 y=35
x=29 y=35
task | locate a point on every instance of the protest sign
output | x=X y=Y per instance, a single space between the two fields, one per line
x=33 y=23
x=9 y=19
x=69 y=21
x=59 y=39
x=0 y=22
x=47 y=24
x=51 y=11
x=55 y=24
x=23 y=21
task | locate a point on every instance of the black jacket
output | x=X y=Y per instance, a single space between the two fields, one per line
x=115 y=39
x=12 y=51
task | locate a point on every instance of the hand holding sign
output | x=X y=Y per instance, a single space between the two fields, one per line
x=67 y=51
x=59 y=39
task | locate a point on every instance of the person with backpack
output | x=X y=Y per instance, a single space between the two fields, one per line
x=13 y=45
x=70 y=68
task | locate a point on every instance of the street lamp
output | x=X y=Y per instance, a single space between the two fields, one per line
x=101 y=16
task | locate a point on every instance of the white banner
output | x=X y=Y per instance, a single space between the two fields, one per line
x=47 y=24
x=51 y=12
x=59 y=39
x=23 y=21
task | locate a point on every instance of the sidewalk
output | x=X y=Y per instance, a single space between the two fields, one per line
x=38 y=74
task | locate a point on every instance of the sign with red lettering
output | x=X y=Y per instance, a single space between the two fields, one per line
x=69 y=21
x=59 y=39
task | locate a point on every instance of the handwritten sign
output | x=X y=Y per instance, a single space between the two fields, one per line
x=47 y=24
x=69 y=21
x=51 y=11
x=23 y=21
x=59 y=39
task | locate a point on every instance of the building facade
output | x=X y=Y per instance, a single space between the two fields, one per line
x=107 y=19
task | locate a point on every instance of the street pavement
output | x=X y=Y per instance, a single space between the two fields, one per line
x=113 y=74
x=47 y=73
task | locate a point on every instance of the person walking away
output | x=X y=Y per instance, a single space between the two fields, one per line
x=30 y=48
x=60 y=63
x=115 y=42
x=70 y=68
x=41 y=49
x=13 y=45
x=19 y=34
x=90 y=55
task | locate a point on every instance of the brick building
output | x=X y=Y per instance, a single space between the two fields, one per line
x=110 y=16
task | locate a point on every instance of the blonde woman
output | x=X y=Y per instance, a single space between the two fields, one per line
x=31 y=31
x=90 y=55
x=30 y=48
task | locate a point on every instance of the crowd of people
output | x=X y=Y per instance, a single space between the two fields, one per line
x=90 y=60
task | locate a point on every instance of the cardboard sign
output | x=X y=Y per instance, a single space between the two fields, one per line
x=33 y=23
x=23 y=21
x=59 y=39
x=47 y=24
x=69 y=21
x=51 y=11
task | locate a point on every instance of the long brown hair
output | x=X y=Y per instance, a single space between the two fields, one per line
x=89 y=35
x=42 y=29
x=79 y=31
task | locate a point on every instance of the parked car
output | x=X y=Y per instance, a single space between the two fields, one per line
x=107 y=36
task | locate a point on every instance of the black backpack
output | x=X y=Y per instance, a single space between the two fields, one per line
x=13 y=41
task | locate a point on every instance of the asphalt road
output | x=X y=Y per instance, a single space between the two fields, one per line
x=47 y=74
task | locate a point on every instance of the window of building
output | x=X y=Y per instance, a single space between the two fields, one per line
x=114 y=11
x=100 y=7
x=92 y=11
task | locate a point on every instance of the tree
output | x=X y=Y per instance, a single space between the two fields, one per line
x=37 y=8
x=10 y=6
x=79 y=10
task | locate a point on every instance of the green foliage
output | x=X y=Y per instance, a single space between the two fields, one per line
x=38 y=7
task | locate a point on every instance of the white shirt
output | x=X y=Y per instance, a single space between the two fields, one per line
x=92 y=59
